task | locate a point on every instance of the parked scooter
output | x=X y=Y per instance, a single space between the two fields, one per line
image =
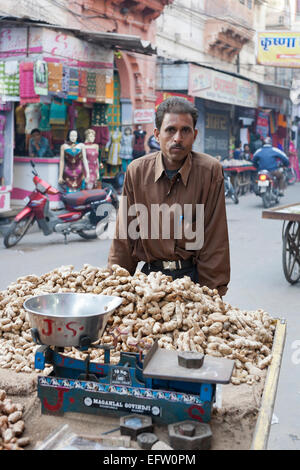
x=230 y=190
x=265 y=188
x=86 y=213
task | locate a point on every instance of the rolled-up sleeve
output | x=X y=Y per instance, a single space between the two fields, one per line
x=213 y=260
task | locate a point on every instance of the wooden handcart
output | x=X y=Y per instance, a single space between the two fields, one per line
x=290 y=214
x=241 y=177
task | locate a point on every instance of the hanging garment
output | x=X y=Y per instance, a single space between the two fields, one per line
x=139 y=144
x=55 y=76
x=109 y=89
x=27 y=92
x=65 y=83
x=73 y=84
x=2 y=132
x=91 y=86
x=33 y=116
x=99 y=114
x=58 y=113
x=9 y=78
x=41 y=77
x=100 y=88
x=20 y=119
x=73 y=173
x=126 y=147
x=114 y=149
x=44 y=124
x=92 y=155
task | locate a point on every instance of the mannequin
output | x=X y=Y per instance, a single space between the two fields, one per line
x=114 y=146
x=139 y=145
x=92 y=153
x=126 y=148
x=73 y=163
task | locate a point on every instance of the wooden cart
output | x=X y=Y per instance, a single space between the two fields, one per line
x=241 y=177
x=290 y=214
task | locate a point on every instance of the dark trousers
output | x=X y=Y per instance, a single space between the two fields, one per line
x=176 y=274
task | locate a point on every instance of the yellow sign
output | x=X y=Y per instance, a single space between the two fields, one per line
x=278 y=49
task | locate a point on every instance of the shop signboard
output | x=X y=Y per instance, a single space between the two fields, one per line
x=164 y=95
x=143 y=116
x=216 y=141
x=278 y=48
x=217 y=86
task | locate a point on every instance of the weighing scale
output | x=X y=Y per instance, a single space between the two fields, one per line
x=168 y=386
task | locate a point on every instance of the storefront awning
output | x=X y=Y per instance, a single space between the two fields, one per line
x=116 y=41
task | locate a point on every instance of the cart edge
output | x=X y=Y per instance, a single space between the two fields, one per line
x=262 y=428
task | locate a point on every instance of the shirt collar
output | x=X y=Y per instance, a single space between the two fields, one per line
x=184 y=170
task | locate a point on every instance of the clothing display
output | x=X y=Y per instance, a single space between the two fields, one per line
x=126 y=150
x=9 y=78
x=92 y=154
x=41 y=77
x=99 y=123
x=27 y=92
x=55 y=76
x=73 y=173
x=139 y=144
x=114 y=146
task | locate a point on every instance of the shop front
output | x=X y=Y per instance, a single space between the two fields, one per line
x=226 y=106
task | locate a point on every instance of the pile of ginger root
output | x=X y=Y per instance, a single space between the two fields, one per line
x=179 y=314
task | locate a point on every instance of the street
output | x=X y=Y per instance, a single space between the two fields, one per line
x=257 y=281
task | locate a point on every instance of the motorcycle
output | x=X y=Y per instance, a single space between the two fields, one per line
x=230 y=190
x=266 y=188
x=86 y=213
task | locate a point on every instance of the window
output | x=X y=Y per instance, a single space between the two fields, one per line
x=249 y=4
x=298 y=8
x=242 y=1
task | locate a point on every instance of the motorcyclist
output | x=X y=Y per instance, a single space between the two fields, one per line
x=266 y=157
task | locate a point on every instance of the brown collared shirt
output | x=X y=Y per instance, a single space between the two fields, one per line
x=141 y=237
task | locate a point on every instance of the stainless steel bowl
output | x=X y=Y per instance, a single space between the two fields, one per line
x=62 y=319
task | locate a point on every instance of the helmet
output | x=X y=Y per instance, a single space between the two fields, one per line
x=267 y=141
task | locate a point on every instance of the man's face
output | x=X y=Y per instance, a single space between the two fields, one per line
x=176 y=137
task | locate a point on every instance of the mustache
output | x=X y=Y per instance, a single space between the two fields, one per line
x=177 y=147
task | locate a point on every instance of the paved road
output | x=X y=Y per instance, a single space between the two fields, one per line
x=257 y=281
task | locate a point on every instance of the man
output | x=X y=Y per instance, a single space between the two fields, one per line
x=175 y=176
x=266 y=158
x=39 y=145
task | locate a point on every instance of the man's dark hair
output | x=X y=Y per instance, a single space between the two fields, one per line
x=34 y=131
x=176 y=105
